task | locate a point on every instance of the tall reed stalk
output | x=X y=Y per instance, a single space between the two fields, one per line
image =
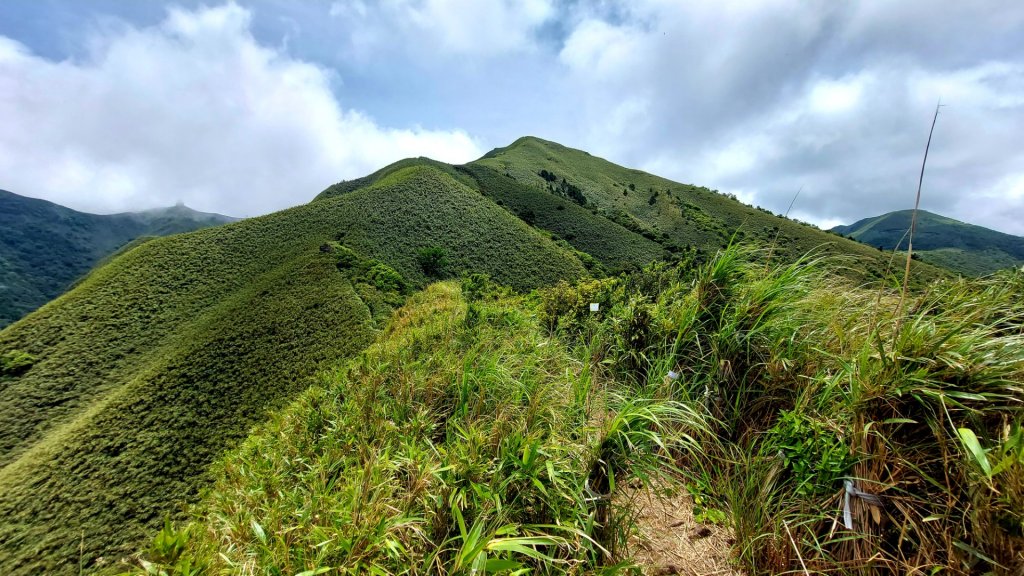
x=913 y=222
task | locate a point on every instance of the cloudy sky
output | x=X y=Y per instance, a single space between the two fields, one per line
x=252 y=106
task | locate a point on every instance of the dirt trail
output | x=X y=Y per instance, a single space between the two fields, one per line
x=669 y=541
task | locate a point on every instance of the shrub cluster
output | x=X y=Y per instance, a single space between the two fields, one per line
x=818 y=393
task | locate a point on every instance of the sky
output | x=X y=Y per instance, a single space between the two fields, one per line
x=247 y=107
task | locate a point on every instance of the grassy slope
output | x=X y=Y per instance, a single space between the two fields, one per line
x=431 y=413
x=608 y=243
x=45 y=247
x=676 y=213
x=465 y=438
x=160 y=359
x=390 y=220
x=965 y=248
x=346 y=186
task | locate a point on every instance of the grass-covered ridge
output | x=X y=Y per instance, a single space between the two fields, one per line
x=679 y=216
x=143 y=373
x=492 y=434
x=622 y=219
x=965 y=248
x=418 y=207
x=466 y=440
x=346 y=186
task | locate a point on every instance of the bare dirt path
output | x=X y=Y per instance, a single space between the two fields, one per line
x=669 y=541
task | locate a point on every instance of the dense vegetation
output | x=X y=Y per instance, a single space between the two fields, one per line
x=811 y=383
x=45 y=247
x=492 y=433
x=466 y=440
x=965 y=248
x=612 y=246
x=519 y=415
x=154 y=364
x=681 y=217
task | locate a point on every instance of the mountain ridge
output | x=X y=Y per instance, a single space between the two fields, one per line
x=46 y=247
x=164 y=357
x=960 y=246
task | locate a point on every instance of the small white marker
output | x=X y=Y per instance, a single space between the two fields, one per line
x=595 y=306
x=672 y=375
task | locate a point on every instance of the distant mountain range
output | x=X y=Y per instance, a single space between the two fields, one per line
x=45 y=247
x=966 y=248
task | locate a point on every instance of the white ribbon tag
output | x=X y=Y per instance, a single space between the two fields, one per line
x=850 y=491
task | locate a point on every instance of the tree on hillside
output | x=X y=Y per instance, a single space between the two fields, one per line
x=432 y=260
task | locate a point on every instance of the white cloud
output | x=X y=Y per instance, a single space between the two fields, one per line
x=194 y=109
x=773 y=96
x=836 y=96
x=474 y=28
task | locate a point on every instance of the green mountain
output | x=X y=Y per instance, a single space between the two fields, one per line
x=156 y=362
x=624 y=218
x=116 y=397
x=961 y=247
x=45 y=247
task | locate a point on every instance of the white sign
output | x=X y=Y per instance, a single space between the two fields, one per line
x=594 y=306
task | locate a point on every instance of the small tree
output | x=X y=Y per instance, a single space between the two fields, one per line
x=433 y=260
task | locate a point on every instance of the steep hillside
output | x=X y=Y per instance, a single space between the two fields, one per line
x=965 y=248
x=463 y=417
x=149 y=368
x=677 y=215
x=489 y=433
x=615 y=247
x=45 y=247
x=605 y=246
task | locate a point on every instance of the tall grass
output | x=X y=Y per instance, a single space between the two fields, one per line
x=465 y=441
x=490 y=433
x=810 y=384
x=913 y=219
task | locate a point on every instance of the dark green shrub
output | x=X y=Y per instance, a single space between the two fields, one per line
x=478 y=286
x=815 y=456
x=345 y=257
x=432 y=260
x=385 y=278
x=15 y=363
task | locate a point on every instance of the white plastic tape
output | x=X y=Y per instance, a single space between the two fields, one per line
x=847 y=514
x=851 y=491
